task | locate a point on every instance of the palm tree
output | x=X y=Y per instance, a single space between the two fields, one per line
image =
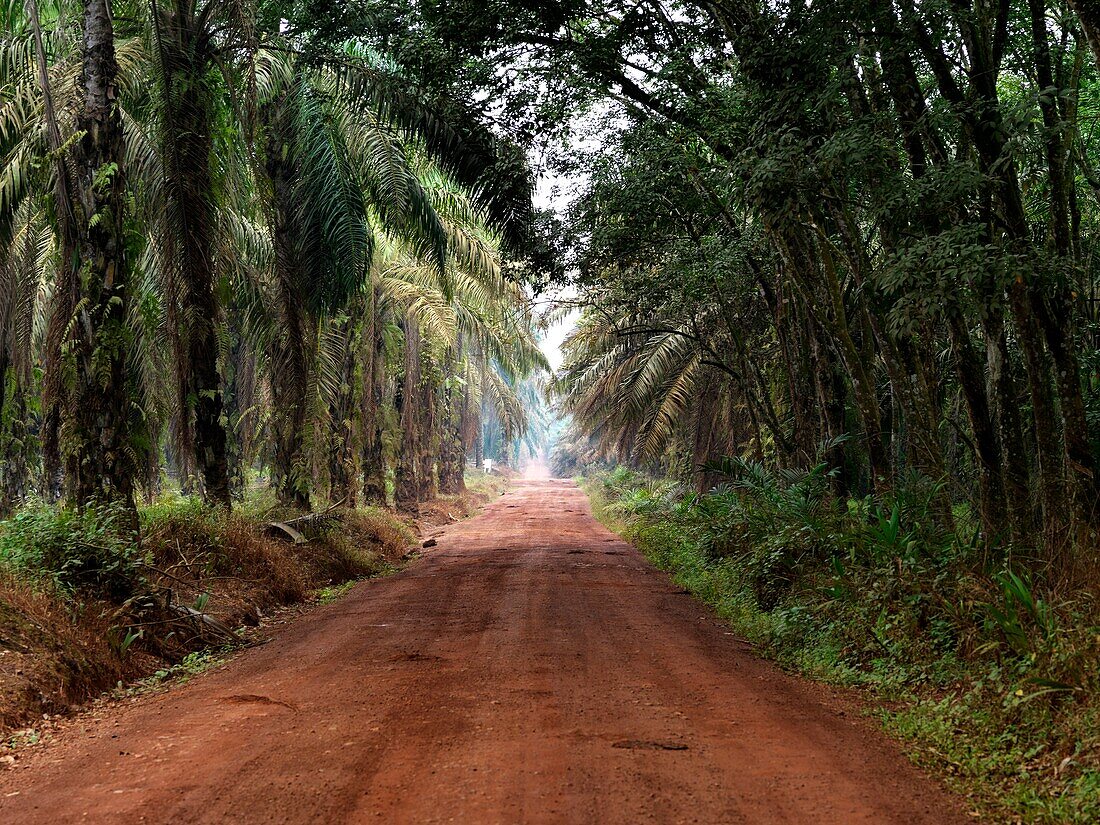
x=194 y=44
x=36 y=64
x=92 y=410
x=20 y=280
x=467 y=338
x=100 y=423
x=638 y=392
x=335 y=176
x=255 y=217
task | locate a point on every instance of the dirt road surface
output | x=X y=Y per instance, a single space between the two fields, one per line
x=530 y=668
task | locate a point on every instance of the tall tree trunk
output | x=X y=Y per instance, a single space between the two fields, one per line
x=1088 y=11
x=291 y=357
x=801 y=380
x=987 y=445
x=979 y=109
x=182 y=48
x=830 y=392
x=835 y=322
x=97 y=430
x=66 y=285
x=406 y=489
x=1054 y=308
x=1006 y=415
x=452 y=450
x=290 y=383
x=428 y=414
x=342 y=448
x=374 y=376
x=233 y=390
x=1049 y=446
x=479 y=440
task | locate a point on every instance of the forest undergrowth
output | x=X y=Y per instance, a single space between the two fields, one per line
x=990 y=683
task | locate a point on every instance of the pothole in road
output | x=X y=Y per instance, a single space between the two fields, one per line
x=415 y=656
x=649 y=744
x=256 y=699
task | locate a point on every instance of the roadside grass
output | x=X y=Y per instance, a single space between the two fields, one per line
x=989 y=687
x=84 y=606
x=333 y=593
x=490 y=485
x=193 y=664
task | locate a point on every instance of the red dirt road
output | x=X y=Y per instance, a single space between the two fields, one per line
x=531 y=668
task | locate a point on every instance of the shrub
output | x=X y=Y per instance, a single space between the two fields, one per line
x=997 y=678
x=91 y=549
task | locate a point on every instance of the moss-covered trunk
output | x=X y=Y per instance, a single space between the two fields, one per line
x=97 y=429
x=452 y=449
x=187 y=146
x=374 y=377
x=292 y=344
x=406 y=489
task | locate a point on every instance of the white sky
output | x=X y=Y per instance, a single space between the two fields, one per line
x=587 y=131
x=552 y=339
x=554 y=192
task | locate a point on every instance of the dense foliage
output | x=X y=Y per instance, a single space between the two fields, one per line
x=234 y=241
x=986 y=679
x=873 y=220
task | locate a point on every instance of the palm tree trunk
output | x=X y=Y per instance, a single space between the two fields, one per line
x=342 y=451
x=65 y=289
x=427 y=409
x=234 y=411
x=477 y=426
x=96 y=425
x=374 y=376
x=211 y=450
x=187 y=156
x=291 y=356
x=406 y=489
x=289 y=387
x=452 y=448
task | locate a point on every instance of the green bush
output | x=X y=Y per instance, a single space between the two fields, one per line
x=996 y=681
x=91 y=549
